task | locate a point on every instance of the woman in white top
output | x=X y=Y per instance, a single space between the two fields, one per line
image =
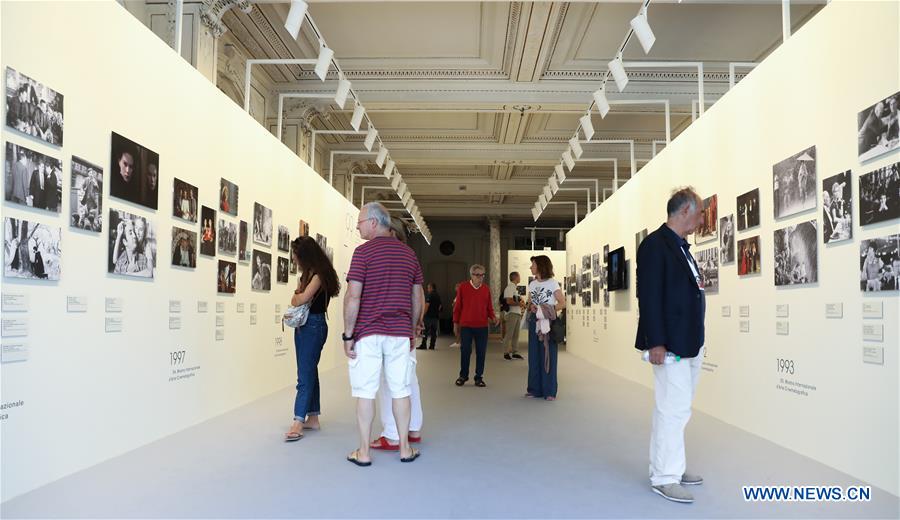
x=545 y=301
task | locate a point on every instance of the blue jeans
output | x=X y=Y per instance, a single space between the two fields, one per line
x=308 y=342
x=466 y=336
x=541 y=383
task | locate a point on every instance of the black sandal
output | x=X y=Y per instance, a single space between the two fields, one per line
x=480 y=382
x=461 y=381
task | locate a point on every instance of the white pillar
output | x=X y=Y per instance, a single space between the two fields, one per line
x=496 y=276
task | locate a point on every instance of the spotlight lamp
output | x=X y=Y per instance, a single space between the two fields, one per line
x=343 y=89
x=295 y=17
x=618 y=72
x=382 y=155
x=405 y=198
x=586 y=126
x=643 y=31
x=554 y=185
x=356 y=120
x=535 y=214
x=570 y=162
x=389 y=169
x=560 y=173
x=395 y=181
x=577 y=150
x=548 y=194
x=542 y=200
x=601 y=102
x=401 y=190
x=371 y=134
x=323 y=62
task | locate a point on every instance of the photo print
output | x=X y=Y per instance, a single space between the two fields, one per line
x=748 y=256
x=228 y=197
x=585 y=281
x=708 y=265
x=586 y=298
x=132 y=245
x=32 y=178
x=879 y=195
x=879 y=264
x=207 y=231
x=184 y=201
x=794 y=183
x=726 y=239
x=33 y=108
x=228 y=237
x=638 y=238
x=225 y=277
x=31 y=250
x=877 y=128
x=281 y=274
x=303 y=228
x=595 y=265
x=616 y=270
x=243 y=235
x=322 y=240
x=293 y=264
x=284 y=239
x=134 y=172
x=605 y=257
x=184 y=247
x=586 y=263
x=748 y=210
x=261 y=271
x=262 y=224
x=796 y=255
x=86 y=195
x=595 y=291
x=707 y=229
x=837 y=208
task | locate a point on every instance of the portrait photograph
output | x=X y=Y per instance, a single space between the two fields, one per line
x=33 y=108
x=262 y=224
x=283 y=269
x=595 y=265
x=794 y=183
x=877 y=128
x=707 y=229
x=708 y=265
x=134 y=172
x=207 y=231
x=284 y=239
x=879 y=195
x=86 y=195
x=184 y=247
x=228 y=237
x=184 y=201
x=225 y=277
x=796 y=254
x=726 y=239
x=748 y=210
x=132 y=245
x=586 y=263
x=31 y=250
x=228 y=197
x=879 y=264
x=837 y=208
x=261 y=271
x=748 y=256
x=303 y=230
x=32 y=178
x=243 y=240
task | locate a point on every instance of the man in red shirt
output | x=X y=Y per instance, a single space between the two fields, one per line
x=471 y=312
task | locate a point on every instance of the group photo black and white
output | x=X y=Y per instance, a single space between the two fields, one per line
x=132 y=245
x=837 y=208
x=32 y=179
x=134 y=173
x=207 y=231
x=878 y=128
x=879 y=195
x=262 y=224
x=31 y=250
x=226 y=277
x=794 y=183
x=796 y=254
x=879 y=264
x=228 y=197
x=228 y=237
x=726 y=239
x=261 y=271
x=748 y=210
x=33 y=108
x=284 y=238
x=184 y=200
x=184 y=247
x=86 y=195
x=708 y=265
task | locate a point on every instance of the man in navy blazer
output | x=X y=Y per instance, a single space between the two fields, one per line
x=672 y=304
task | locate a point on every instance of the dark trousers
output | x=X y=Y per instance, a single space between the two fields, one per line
x=466 y=336
x=541 y=383
x=308 y=342
x=431 y=328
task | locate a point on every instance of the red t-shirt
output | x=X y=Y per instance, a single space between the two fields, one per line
x=387 y=269
x=474 y=307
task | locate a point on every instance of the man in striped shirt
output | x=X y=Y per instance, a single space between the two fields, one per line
x=381 y=317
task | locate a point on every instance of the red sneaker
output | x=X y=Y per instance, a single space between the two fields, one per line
x=382 y=444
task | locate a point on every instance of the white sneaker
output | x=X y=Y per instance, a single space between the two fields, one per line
x=454 y=345
x=674 y=492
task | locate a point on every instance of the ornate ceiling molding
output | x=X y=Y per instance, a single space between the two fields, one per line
x=211 y=13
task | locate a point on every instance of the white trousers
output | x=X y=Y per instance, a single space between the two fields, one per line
x=379 y=360
x=385 y=407
x=674 y=387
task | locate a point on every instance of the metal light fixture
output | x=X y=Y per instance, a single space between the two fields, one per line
x=618 y=72
x=389 y=169
x=323 y=62
x=295 y=17
x=601 y=102
x=343 y=90
x=570 y=162
x=358 y=112
x=554 y=184
x=586 y=126
x=395 y=181
x=548 y=194
x=560 y=173
x=577 y=150
x=382 y=155
x=371 y=134
x=643 y=31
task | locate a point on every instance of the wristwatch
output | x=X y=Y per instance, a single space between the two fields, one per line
x=345 y=338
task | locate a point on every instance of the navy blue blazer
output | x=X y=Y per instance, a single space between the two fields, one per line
x=672 y=306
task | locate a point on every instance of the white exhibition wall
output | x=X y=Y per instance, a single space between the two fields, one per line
x=85 y=395
x=808 y=92
x=519 y=260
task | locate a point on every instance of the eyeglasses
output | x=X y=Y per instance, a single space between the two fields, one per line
x=479 y=275
x=358 y=222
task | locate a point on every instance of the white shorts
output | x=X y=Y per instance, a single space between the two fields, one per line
x=374 y=353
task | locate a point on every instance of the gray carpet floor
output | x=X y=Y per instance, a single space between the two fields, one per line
x=486 y=453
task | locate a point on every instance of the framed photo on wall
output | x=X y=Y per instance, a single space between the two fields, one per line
x=794 y=183
x=616 y=278
x=31 y=250
x=262 y=225
x=879 y=195
x=132 y=245
x=184 y=247
x=261 y=271
x=879 y=264
x=707 y=229
x=877 y=128
x=228 y=197
x=33 y=108
x=86 y=195
x=748 y=210
x=184 y=200
x=837 y=208
x=226 y=277
x=726 y=239
x=748 y=261
x=796 y=255
x=207 y=231
x=134 y=172
x=32 y=179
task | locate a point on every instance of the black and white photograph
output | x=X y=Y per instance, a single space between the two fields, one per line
x=228 y=237
x=708 y=264
x=605 y=257
x=261 y=271
x=184 y=247
x=586 y=298
x=794 y=183
x=226 y=276
x=282 y=274
x=616 y=270
x=31 y=250
x=184 y=201
x=585 y=281
x=595 y=291
x=837 y=208
x=207 y=231
x=606 y=297
x=707 y=229
x=878 y=128
x=33 y=108
x=132 y=245
x=796 y=254
x=284 y=239
x=748 y=210
x=243 y=240
x=879 y=264
x=134 y=172
x=262 y=224
x=595 y=265
x=228 y=197
x=638 y=238
x=86 y=196
x=748 y=256
x=293 y=264
x=879 y=195
x=32 y=178
x=322 y=240
x=586 y=263
x=726 y=239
